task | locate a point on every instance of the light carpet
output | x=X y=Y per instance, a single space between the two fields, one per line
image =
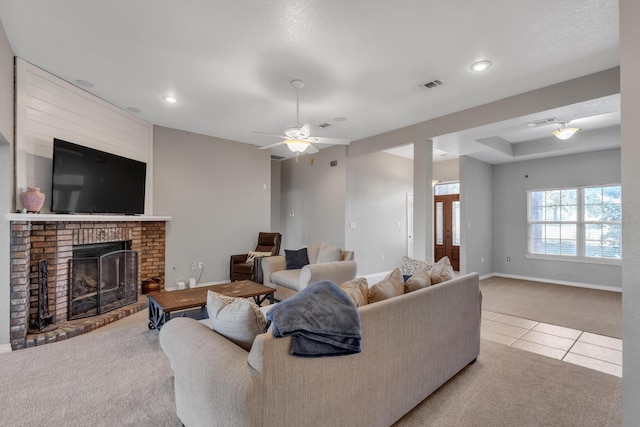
x=589 y=310
x=119 y=376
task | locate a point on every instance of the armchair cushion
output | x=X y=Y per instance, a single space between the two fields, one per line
x=296 y=259
x=329 y=253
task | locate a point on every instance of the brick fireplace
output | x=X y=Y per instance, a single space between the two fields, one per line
x=55 y=240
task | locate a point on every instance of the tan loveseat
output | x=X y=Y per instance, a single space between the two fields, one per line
x=288 y=282
x=411 y=345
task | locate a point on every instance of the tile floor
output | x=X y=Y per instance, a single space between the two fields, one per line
x=570 y=345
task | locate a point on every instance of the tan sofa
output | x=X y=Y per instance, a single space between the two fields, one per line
x=411 y=345
x=288 y=282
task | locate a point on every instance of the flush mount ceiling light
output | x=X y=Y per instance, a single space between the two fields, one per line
x=170 y=99
x=297 y=145
x=564 y=132
x=480 y=65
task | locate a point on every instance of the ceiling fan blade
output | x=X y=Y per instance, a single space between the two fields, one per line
x=333 y=141
x=311 y=149
x=266 y=147
x=305 y=130
x=267 y=133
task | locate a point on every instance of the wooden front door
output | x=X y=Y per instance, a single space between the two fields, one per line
x=447 y=228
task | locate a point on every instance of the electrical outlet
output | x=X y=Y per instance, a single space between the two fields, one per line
x=200 y=265
x=508 y=259
x=193 y=265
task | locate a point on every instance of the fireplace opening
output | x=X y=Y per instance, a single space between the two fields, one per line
x=103 y=277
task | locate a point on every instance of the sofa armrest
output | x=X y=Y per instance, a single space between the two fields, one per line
x=338 y=272
x=212 y=378
x=270 y=265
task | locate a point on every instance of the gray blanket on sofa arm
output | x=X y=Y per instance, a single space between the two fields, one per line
x=321 y=320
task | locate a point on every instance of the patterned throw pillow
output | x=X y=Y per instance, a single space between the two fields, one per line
x=253 y=254
x=358 y=290
x=238 y=319
x=389 y=287
x=411 y=265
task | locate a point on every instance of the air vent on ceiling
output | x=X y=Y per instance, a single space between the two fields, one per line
x=276 y=157
x=542 y=122
x=432 y=84
x=324 y=125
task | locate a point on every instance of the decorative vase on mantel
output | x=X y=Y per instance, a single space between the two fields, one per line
x=33 y=199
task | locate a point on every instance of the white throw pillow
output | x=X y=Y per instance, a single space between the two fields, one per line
x=411 y=265
x=329 y=253
x=237 y=319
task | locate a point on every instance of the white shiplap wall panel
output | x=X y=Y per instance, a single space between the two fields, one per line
x=48 y=107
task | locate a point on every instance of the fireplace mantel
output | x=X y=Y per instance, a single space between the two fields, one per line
x=81 y=217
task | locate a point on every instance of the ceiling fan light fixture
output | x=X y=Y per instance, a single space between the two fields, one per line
x=297 y=145
x=564 y=132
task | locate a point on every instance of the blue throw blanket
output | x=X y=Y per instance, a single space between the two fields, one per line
x=321 y=320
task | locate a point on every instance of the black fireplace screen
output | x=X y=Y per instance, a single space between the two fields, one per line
x=100 y=284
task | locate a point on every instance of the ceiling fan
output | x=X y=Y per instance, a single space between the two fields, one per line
x=298 y=137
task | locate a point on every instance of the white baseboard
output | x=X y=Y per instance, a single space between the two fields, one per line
x=556 y=282
x=5 y=348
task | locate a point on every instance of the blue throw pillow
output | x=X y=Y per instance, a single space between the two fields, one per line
x=296 y=259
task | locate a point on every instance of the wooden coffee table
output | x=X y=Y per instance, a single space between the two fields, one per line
x=162 y=304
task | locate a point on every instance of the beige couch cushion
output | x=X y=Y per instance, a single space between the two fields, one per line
x=389 y=287
x=358 y=290
x=420 y=279
x=238 y=319
x=441 y=271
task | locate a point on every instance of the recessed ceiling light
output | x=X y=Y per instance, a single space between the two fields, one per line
x=480 y=65
x=85 y=83
x=170 y=99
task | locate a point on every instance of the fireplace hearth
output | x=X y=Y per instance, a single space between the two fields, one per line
x=103 y=277
x=57 y=239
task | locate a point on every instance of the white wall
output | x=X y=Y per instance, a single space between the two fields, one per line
x=48 y=107
x=510 y=184
x=630 y=104
x=314 y=192
x=377 y=187
x=218 y=194
x=476 y=218
x=6 y=184
x=447 y=170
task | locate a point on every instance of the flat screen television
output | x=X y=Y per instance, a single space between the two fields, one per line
x=89 y=181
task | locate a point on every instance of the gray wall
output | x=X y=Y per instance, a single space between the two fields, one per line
x=6 y=183
x=314 y=192
x=510 y=184
x=476 y=217
x=630 y=104
x=276 y=174
x=218 y=195
x=377 y=187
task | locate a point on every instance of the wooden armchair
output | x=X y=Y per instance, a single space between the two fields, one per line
x=240 y=269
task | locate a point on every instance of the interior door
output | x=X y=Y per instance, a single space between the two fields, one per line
x=447 y=228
